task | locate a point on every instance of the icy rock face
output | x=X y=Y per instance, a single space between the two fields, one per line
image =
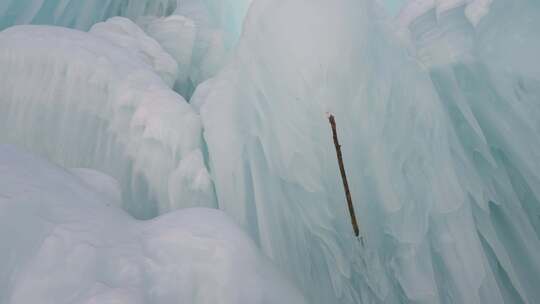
x=442 y=155
x=96 y=100
x=62 y=244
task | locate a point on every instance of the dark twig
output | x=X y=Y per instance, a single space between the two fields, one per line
x=344 y=178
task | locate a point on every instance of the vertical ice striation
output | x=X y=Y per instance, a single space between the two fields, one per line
x=80 y=14
x=441 y=146
x=198 y=34
x=102 y=100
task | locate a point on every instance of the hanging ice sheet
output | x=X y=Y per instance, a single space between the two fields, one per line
x=440 y=139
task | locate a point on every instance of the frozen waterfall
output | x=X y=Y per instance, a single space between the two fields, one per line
x=159 y=105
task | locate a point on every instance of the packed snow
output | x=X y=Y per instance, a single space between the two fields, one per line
x=63 y=242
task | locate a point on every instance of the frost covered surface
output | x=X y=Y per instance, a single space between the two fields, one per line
x=441 y=149
x=63 y=243
x=96 y=100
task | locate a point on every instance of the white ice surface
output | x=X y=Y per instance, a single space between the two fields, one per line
x=126 y=34
x=96 y=100
x=476 y=9
x=441 y=149
x=61 y=244
x=177 y=35
x=198 y=49
x=198 y=34
x=103 y=184
x=80 y=14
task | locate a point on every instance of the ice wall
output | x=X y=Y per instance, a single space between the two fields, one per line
x=475 y=10
x=61 y=242
x=198 y=34
x=227 y=15
x=96 y=100
x=78 y=14
x=440 y=143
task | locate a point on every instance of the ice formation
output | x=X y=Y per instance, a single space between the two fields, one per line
x=98 y=101
x=440 y=141
x=436 y=103
x=63 y=243
x=211 y=26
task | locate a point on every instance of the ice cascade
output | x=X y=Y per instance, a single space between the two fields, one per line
x=97 y=101
x=440 y=138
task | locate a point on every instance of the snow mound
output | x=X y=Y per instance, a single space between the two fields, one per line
x=96 y=100
x=61 y=244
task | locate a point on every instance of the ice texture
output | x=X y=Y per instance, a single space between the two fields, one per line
x=440 y=142
x=412 y=9
x=61 y=243
x=126 y=34
x=102 y=100
x=439 y=131
x=199 y=50
x=227 y=15
x=79 y=14
x=198 y=34
x=176 y=34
